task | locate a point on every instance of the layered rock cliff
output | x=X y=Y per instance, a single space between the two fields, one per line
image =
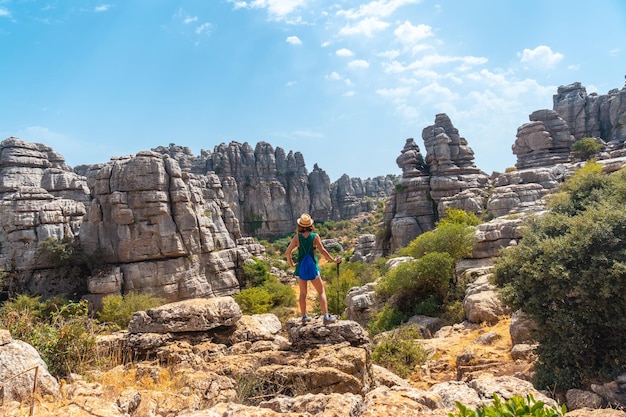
x=269 y=188
x=447 y=178
x=40 y=199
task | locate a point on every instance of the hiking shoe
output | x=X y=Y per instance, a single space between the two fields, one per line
x=328 y=319
x=305 y=319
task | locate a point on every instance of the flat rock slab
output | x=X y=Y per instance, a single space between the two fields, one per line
x=194 y=315
x=315 y=332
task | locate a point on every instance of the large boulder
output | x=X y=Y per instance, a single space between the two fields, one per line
x=192 y=315
x=20 y=363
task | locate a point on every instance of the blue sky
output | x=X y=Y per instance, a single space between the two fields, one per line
x=343 y=82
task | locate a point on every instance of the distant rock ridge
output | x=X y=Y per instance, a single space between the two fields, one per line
x=269 y=188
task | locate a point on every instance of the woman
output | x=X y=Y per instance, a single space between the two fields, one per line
x=307 y=241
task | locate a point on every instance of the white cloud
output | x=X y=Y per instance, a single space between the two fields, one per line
x=325 y=44
x=378 y=8
x=189 y=20
x=367 y=27
x=102 y=8
x=614 y=52
x=391 y=54
x=409 y=34
x=294 y=40
x=203 y=29
x=344 y=52
x=350 y=93
x=542 y=56
x=290 y=83
x=358 y=63
x=426 y=74
x=437 y=93
x=431 y=61
x=277 y=9
x=4 y=12
x=334 y=76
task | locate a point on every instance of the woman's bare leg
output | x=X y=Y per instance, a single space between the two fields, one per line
x=319 y=286
x=302 y=286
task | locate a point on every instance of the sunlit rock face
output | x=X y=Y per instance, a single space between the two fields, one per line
x=170 y=234
x=40 y=199
x=268 y=188
x=592 y=115
x=445 y=178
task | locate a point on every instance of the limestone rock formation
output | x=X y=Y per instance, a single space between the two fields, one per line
x=170 y=234
x=409 y=210
x=40 y=198
x=593 y=115
x=545 y=141
x=351 y=196
x=446 y=178
x=267 y=189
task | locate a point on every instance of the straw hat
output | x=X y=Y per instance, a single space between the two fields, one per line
x=305 y=221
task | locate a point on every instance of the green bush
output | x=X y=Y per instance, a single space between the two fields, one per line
x=585 y=148
x=255 y=300
x=282 y=295
x=458 y=216
x=417 y=281
x=513 y=407
x=118 y=309
x=254 y=273
x=60 y=330
x=455 y=239
x=568 y=274
x=399 y=352
x=586 y=186
x=386 y=319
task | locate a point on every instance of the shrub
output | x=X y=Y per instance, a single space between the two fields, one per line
x=399 y=352
x=255 y=300
x=417 y=281
x=338 y=287
x=282 y=295
x=455 y=239
x=458 y=216
x=513 y=407
x=119 y=309
x=568 y=274
x=254 y=274
x=585 y=148
x=62 y=333
x=586 y=186
x=386 y=319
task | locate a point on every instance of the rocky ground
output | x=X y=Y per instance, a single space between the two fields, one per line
x=188 y=362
